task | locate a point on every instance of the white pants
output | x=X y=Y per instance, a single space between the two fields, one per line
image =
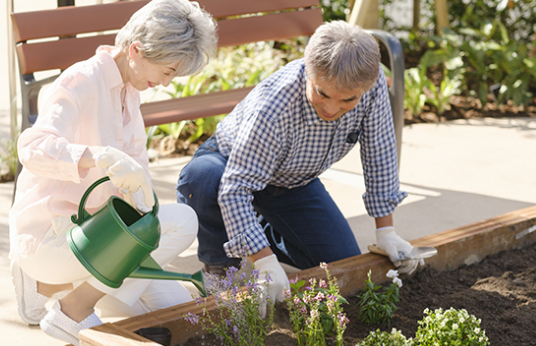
x=54 y=263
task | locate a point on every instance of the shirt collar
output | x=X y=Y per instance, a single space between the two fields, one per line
x=309 y=112
x=111 y=72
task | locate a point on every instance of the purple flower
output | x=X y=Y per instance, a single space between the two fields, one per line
x=252 y=287
x=254 y=274
x=297 y=300
x=343 y=320
x=193 y=319
x=286 y=294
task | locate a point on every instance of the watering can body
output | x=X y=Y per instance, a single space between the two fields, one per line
x=116 y=242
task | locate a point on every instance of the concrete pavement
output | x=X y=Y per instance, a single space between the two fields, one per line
x=455 y=173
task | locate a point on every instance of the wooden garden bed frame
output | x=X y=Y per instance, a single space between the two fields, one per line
x=463 y=245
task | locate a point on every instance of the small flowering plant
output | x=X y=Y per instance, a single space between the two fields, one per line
x=377 y=305
x=395 y=338
x=238 y=321
x=316 y=311
x=450 y=327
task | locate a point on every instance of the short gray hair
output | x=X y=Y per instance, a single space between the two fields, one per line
x=172 y=31
x=345 y=54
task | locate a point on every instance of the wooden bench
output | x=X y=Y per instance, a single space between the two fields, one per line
x=57 y=38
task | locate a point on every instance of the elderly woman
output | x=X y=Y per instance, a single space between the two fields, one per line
x=90 y=125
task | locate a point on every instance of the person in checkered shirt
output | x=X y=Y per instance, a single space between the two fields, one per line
x=254 y=184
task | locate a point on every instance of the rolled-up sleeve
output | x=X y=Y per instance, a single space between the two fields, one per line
x=379 y=155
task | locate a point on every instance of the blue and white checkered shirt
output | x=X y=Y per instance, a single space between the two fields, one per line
x=274 y=136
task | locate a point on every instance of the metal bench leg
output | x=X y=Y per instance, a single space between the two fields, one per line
x=396 y=90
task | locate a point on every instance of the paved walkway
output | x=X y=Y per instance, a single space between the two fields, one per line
x=456 y=173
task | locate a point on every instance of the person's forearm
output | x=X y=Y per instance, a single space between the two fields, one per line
x=265 y=252
x=384 y=221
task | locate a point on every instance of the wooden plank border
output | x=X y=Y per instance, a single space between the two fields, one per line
x=463 y=245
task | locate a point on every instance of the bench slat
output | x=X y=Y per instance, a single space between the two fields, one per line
x=222 y=9
x=192 y=107
x=72 y=20
x=60 y=54
x=269 y=27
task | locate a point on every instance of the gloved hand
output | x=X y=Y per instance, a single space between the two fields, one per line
x=136 y=199
x=125 y=173
x=390 y=242
x=272 y=280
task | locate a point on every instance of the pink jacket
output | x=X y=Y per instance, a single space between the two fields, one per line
x=81 y=108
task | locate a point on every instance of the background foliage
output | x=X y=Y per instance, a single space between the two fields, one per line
x=488 y=54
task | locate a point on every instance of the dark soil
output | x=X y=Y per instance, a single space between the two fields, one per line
x=467 y=108
x=500 y=290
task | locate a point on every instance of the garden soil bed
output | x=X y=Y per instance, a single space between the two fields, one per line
x=500 y=290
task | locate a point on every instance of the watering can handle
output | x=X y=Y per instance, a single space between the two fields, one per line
x=82 y=212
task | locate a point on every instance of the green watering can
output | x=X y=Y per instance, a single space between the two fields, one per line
x=116 y=243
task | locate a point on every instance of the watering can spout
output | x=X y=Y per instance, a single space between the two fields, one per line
x=150 y=273
x=149 y=269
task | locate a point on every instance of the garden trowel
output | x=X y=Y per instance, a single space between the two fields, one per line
x=416 y=252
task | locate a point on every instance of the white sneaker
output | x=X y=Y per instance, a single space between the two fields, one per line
x=60 y=326
x=31 y=305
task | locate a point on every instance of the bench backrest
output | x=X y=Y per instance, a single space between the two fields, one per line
x=84 y=28
x=57 y=38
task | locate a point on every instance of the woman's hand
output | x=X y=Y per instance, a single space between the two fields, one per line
x=125 y=173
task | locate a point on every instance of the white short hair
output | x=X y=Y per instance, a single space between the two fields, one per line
x=172 y=31
x=345 y=54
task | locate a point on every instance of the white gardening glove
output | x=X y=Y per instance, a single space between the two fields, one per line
x=125 y=173
x=136 y=199
x=272 y=280
x=392 y=244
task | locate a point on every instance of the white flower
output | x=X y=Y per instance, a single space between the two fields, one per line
x=462 y=319
x=477 y=330
x=392 y=274
x=398 y=282
x=455 y=326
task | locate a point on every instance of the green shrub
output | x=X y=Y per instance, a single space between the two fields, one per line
x=234 y=67
x=9 y=155
x=381 y=338
x=376 y=305
x=450 y=328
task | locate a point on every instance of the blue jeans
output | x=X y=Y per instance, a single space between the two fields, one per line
x=304 y=225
